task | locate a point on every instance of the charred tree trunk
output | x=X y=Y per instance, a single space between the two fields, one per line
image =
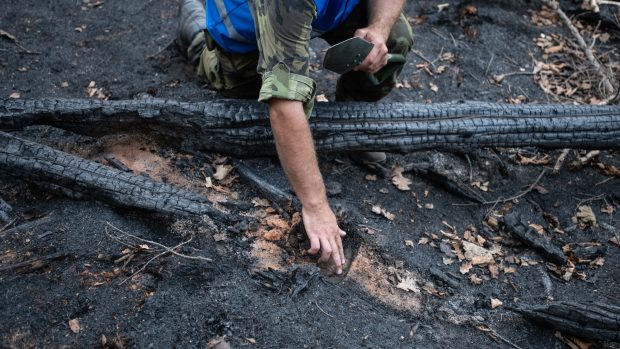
x=242 y=128
x=80 y=178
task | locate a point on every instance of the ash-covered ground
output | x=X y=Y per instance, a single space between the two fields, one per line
x=408 y=282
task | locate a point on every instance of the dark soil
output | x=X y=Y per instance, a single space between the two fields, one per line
x=126 y=48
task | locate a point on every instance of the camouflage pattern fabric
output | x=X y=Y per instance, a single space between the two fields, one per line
x=280 y=67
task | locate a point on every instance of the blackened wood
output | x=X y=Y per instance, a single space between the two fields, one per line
x=592 y=320
x=272 y=193
x=6 y=212
x=242 y=128
x=79 y=178
x=529 y=236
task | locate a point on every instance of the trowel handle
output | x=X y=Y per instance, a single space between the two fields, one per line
x=392 y=58
x=396 y=58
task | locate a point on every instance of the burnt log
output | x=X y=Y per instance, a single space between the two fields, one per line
x=242 y=128
x=513 y=223
x=592 y=320
x=80 y=178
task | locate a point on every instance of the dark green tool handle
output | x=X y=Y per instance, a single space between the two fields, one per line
x=392 y=58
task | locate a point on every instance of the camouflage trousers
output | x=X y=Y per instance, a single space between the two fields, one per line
x=236 y=75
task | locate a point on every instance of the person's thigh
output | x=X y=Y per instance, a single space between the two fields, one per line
x=232 y=75
x=357 y=86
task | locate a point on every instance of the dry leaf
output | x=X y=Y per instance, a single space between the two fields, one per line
x=607 y=209
x=370 y=177
x=484 y=186
x=429 y=206
x=401 y=182
x=495 y=303
x=424 y=241
x=408 y=284
x=474 y=279
x=15 y=95
x=440 y=69
x=430 y=288
x=584 y=217
x=433 y=87
x=494 y=271
x=321 y=98
x=443 y=6
x=599 y=262
x=465 y=268
x=539 y=228
x=448 y=57
x=534 y=160
x=74 y=325
x=219 y=237
x=382 y=211
x=251 y=340
x=476 y=254
x=614 y=240
x=409 y=243
x=273 y=235
x=221 y=171
x=259 y=202
x=277 y=222
x=447 y=261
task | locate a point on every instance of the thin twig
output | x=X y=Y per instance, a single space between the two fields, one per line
x=8 y=225
x=520 y=194
x=168 y=249
x=149 y=261
x=419 y=54
x=606 y=79
x=560 y=161
x=486 y=71
x=505 y=340
x=323 y=311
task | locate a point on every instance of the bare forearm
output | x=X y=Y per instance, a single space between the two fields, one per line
x=382 y=14
x=296 y=151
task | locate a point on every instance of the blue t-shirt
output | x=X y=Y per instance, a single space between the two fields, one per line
x=231 y=25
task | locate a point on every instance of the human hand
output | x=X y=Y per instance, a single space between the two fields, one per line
x=324 y=234
x=378 y=57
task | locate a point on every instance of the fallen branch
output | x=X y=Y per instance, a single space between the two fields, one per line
x=606 y=77
x=529 y=236
x=274 y=194
x=590 y=320
x=78 y=178
x=159 y=245
x=35 y=263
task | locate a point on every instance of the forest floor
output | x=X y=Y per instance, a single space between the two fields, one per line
x=407 y=283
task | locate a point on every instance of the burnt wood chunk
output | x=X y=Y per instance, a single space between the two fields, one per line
x=6 y=211
x=592 y=320
x=81 y=178
x=242 y=128
x=530 y=237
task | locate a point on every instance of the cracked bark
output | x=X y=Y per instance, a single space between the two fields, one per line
x=81 y=178
x=590 y=320
x=241 y=128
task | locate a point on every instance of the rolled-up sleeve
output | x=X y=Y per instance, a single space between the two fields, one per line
x=283 y=30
